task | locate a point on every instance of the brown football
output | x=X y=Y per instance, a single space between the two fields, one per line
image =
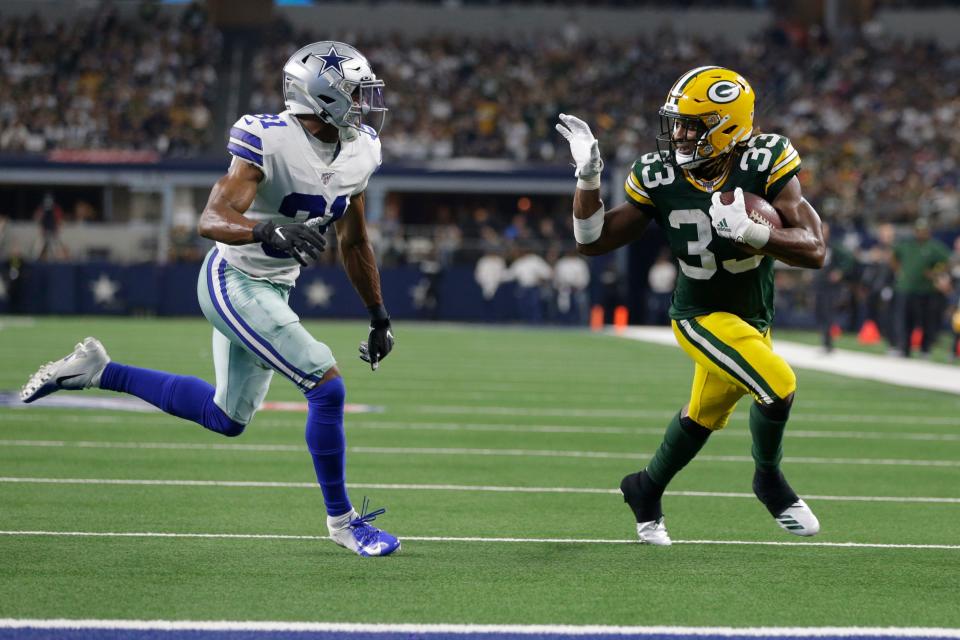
x=758 y=209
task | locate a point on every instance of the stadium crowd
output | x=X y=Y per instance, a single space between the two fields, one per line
x=873 y=118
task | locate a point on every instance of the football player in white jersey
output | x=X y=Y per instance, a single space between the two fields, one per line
x=292 y=176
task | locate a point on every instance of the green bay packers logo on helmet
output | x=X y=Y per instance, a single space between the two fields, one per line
x=708 y=111
x=723 y=91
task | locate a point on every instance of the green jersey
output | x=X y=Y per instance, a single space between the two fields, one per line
x=715 y=275
x=917 y=260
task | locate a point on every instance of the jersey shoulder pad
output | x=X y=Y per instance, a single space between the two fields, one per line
x=649 y=172
x=774 y=159
x=254 y=136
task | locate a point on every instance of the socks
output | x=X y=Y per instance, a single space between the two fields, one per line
x=683 y=440
x=327 y=444
x=767 y=426
x=182 y=396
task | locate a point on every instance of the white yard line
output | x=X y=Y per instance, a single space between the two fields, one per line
x=388 y=425
x=458 y=451
x=272 y=536
x=642 y=414
x=451 y=487
x=470 y=629
x=843 y=362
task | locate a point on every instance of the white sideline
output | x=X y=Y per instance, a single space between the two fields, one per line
x=460 y=451
x=452 y=487
x=844 y=362
x=526 y=629
x=280 y=536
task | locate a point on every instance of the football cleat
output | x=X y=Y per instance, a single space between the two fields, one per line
x=799 y=520
x=654 y=532
x=79 y=370
x=646 y=508
x=358 y=535
x=791 y=513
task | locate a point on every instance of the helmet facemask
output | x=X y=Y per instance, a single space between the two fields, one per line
x=686 y=151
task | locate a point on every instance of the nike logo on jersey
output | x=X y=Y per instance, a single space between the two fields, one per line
x=247 y=120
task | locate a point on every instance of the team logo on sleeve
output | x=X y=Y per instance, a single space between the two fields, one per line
x=332 y=60
x=723 y=91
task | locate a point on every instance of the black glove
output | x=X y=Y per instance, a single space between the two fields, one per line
x=380 y=341
x=297 y=239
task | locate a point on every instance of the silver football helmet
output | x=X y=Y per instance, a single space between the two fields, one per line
x=334 y=81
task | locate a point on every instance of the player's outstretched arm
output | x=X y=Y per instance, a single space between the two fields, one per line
x=222 y=219
x=596 y=231
x=800 y=243
x=621 y=225
x=360 y=263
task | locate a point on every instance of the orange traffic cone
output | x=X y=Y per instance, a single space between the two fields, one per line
x=869 y=334
x=835 y=331
x=596 y=318
x=620 y=318
x=916 y=338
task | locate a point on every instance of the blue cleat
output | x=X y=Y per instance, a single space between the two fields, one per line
x=357 y=534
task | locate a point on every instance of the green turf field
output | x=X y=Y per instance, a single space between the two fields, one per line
x=472 y=407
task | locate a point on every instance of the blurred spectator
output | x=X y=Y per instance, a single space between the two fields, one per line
x=489 y=272
x=829 y=283
x=918 y=262
x=531 y=273
x=49 y=216
x=660 y=281
x=571 y=277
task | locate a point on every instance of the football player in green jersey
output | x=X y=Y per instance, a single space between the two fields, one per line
x=722 y=305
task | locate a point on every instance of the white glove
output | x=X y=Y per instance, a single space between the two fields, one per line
x=731 y=221
x=584 y=148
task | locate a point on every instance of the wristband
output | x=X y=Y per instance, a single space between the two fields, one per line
x=262 y=231
x=756 y=235
x=586 y=231
x=591 y=183
x=378 y=316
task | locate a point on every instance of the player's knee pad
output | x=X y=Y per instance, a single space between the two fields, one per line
x=778 y=410
x=216 y=419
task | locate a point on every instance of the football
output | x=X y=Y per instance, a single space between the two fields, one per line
x=758 y=209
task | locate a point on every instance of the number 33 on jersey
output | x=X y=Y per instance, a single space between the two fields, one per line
x=714 y=274
x=303 y=179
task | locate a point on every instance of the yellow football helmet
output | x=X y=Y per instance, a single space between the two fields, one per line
x=714 y=103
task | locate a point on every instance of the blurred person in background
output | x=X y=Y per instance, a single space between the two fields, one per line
x=722 y=307
x=49 y=217
x=571 y=279
x=661 y=279
x=878 y=279
x=531 y=272
x=918 y=263
x=311 y=162
x=830 y=284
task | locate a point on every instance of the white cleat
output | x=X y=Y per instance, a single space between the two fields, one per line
x=653 y=532
x=79 y=370
x=354 y=532
x=799 y=520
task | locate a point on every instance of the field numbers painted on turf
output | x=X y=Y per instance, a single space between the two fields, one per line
x=698 y=247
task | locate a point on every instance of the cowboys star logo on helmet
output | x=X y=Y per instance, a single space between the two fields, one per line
x=708 y=111
x=332 y=60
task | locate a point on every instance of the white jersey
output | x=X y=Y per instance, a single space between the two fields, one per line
x=298 y=184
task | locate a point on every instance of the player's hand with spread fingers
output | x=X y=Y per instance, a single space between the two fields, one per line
x=379 y=342
x=583 y=146
x=301 y=241
x=732 y=222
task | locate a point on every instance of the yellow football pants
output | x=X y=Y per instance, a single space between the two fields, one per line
x=732 y=359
